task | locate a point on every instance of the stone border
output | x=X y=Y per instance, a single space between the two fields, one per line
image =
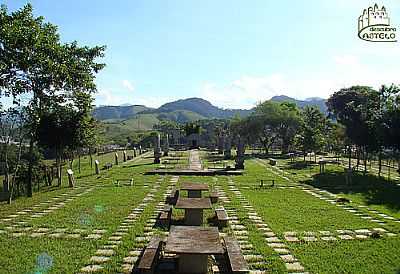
x=292 y=264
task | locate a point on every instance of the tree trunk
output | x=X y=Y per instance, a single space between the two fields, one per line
x=380 y=164
x=91 y=158
x=58 y=163
x=79 y=162
x=365 y=161
x=349 y=157
x=30 y=169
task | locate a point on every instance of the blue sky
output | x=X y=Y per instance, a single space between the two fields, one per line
x=232 y=53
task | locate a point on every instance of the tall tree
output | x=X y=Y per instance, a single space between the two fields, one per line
x=311 y=134
x=359 y=109
x=35 y=63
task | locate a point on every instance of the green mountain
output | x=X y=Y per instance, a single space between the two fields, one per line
x=201 y=107
x=117 y=112
x=315 y=101
x=121 y=122
x=181 y=111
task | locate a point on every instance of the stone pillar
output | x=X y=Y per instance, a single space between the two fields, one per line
x=221 y=140
x=96 y=167
x=157 y=149
x=166 y=146
x=71 y=179
x=140 y=150
x=134 y=152
x=240 y=154
x=124 y=156
x=116 y=158
x=228 y=148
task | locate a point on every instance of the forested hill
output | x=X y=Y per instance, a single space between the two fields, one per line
x=190 y=109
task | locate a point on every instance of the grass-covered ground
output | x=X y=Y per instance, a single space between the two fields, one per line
x=284 y=207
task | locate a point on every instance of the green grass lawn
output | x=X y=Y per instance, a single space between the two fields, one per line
x=23 y=255
x=102 y=208
x=367 y=256
x=283 y=209
x=295 y=210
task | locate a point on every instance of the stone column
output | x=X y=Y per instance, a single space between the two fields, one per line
x=96 y=167
x=240 y=154
x=157 y=149
x=124 y=156
x=140 y=150
x=221 y=140
x=166 y=146
x=116 y=158
x=228 y=148
x=134 y=152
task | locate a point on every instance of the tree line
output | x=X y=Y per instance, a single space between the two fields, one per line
x=361 y=122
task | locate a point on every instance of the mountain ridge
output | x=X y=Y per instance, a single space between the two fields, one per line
x=191 y=109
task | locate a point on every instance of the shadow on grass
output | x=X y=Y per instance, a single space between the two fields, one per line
x=301 y=165
x=137 y=165
x=378 y=191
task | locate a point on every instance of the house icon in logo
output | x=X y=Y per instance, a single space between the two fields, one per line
x=374 y=25
x=373 y=16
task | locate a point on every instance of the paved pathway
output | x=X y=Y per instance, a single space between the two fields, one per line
x=194 y=160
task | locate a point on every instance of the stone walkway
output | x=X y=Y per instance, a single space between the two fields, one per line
x=256 y=261
x=292 y=264
x=21 y=217
x=149 y=230
x=107 y=251
x=340 y=234
x=361 y=211
x=194 y=160
x=62 y=233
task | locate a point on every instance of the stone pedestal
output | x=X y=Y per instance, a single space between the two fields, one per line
x=116 y=158
x=193 y=263
x=240 y=154
x=157 y=149
x=221 y=144
x=71 y=179
x=228 y=148
x=166 y=147
x=96 y=167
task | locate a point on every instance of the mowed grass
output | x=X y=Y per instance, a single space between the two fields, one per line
x=104 y=207
x=283 y=209
x=377 y=193
x=23 y=255
x=355 y=256
x=294 y=210
x=291 y=208
x=273 y=262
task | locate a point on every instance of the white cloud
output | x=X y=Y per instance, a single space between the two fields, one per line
x=107 y=97
x=111 y=98
x=339 y=72
x=128 y=85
